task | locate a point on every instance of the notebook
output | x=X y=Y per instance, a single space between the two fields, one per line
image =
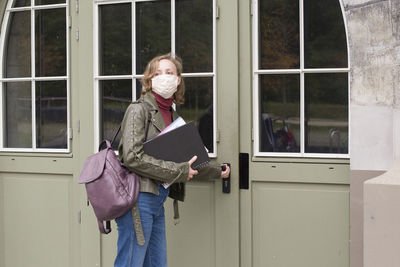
x=179 y=145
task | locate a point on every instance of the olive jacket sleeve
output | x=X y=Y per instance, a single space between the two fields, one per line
x=131 y=153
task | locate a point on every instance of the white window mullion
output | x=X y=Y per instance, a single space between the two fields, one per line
x=198 y=74
x=255 y=36
x=173 y=27
x=302 y=92
x=96 y=94
x=33 y=74
x=255 y=135
x=302 y=115
x=54 y=6
x=114 y=77
x=215 y=117
x=133 y=27
x=256 y=114
x=33 y=93
x=327 y=70
x=69 y=124
x=278 y=71
x=2 y=42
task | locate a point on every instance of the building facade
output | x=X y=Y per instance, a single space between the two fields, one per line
x=301 y=97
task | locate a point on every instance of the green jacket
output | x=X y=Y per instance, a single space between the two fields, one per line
x=149 y=168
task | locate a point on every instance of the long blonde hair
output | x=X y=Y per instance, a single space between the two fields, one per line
x=151 y=70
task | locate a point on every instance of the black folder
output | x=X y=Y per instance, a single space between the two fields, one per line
x=178 y=145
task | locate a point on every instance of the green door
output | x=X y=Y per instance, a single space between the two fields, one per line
x=294 y=201
x=115 y=41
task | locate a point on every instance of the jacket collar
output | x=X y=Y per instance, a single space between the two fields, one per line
x=157 y=119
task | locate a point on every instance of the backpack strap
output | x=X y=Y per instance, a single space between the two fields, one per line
x=107 y=230
x=147 y=128
x=103 y=230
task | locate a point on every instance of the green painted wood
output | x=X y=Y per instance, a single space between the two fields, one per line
x=296 y=212
x=300 y=224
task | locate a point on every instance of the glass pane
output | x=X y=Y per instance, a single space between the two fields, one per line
x=138 y=88
x=116 y=95
x=153 y=31
x=194 y=34
x=18 y=115
x=49 y=2
x=50 y=38
x=51 y=114
x=326 y=122
x=198 y=107
x=279 y=113
x=279 y=34
x=115 y=40
x=324 y=35
x=21 y=3
x=17 y=50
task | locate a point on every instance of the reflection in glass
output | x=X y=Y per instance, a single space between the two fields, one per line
x=279 y=34
x=17 y=50
x=194 y=34
x=280 y=113
x=49 y=2
x=325 y=43
x=51 y=114
x=115 y=40
x=21 y=3
x=153 y=31
x=50 y=35
x=116 y=95
x=326 y=122
x=18 y=115
x=138 y=88
x=198 y=107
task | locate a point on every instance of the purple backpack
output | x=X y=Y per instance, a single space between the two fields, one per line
x=111 y=188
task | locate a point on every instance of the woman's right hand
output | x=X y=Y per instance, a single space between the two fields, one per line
x=192 y=172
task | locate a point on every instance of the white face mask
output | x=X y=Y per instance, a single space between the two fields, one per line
x=165 y=85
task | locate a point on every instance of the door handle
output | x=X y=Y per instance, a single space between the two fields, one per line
x=226 y=182
x=243 y=171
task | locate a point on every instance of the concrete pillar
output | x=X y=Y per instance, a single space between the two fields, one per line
x=382 y=219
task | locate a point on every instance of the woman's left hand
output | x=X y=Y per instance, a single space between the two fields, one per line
x=225 y=174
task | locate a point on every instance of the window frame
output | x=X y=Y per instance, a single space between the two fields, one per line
x=134 y=76
x=33 y=79
x=302 y=71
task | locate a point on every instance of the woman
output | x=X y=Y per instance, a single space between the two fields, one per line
x=141 y=231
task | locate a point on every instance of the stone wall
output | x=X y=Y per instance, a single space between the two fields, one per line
x=373 y=30
x=374 y=45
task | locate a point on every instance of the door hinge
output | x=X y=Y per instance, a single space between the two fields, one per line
x=70 y=133
x=251 y=7
x=69 y=22
x=252 y=134
x=79 y=217
x=78 y=126
x=77 y=6
x=218 y=136
x=217 y=10
x=77 y=34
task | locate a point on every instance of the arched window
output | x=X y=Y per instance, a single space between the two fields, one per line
x=301 y=95
x=130 y=33
x=34 y=84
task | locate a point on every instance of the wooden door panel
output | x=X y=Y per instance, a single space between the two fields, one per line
x=36 y=219
x=192 y=241
x=300 y=224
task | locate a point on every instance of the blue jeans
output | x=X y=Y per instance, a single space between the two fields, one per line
x=154 y=252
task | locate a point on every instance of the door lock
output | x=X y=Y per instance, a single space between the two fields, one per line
x=226 y=182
